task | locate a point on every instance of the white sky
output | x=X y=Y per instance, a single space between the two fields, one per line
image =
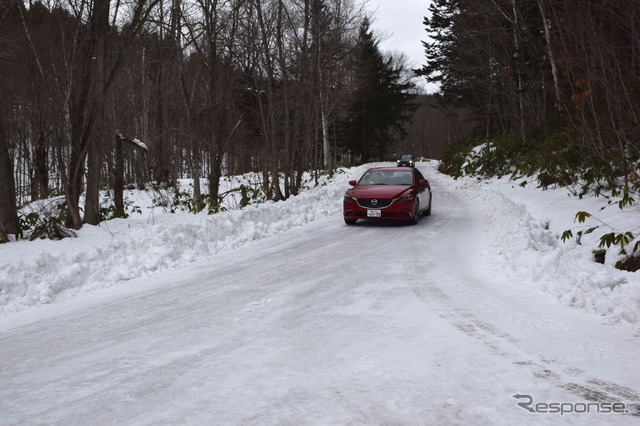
x=399 y=24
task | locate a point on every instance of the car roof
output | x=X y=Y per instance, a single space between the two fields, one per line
x=390 y=169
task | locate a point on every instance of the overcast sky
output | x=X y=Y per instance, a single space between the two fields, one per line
x=399 y=23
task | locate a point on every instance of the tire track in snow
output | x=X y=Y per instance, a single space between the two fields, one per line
x=506 y=346
x=454 y=265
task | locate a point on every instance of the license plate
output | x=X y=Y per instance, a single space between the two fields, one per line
x=374 y=213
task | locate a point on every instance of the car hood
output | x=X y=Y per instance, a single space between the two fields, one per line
x=379 y=191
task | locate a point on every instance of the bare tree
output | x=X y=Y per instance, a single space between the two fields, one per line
x=8 y=213
x=261 y=87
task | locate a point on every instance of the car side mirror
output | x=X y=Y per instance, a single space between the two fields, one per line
x=353 y=182
x=424 y=182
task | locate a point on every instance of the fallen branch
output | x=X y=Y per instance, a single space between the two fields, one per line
x=135 y=142
x=53 y=230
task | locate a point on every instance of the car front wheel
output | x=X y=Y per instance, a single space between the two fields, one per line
x=350 y=221
x=416 y=213
x=427 y=212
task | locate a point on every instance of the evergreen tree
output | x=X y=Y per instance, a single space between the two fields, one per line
x=460 y=56
x=489 y=56
x=380 y=101
x=440 y=52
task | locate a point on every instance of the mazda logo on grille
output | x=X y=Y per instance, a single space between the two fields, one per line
x=374 y=202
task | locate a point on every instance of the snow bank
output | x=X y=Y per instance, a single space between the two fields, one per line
x=524 y=226
x=527 y=225
x=39 y=272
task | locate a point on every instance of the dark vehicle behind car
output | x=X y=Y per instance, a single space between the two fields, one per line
x=406 y=160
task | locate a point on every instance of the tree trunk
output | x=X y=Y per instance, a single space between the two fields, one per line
x=516 y=40
x=41 y=169
x=269 y=122
x=73 y=184
x=92 y=200
x=100 y=29
x=214 y=179
x=326 y=145
x=195 y=166
x=8 y=211
x=285 y=99
x=550 y=53
x=118 y=181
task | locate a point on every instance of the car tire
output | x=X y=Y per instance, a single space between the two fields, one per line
x=350 y=221
x=416 y=212
x=427 y=212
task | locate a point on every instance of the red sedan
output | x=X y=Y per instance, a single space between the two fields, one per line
x=388 y=193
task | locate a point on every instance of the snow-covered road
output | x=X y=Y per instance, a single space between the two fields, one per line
x=325 y=324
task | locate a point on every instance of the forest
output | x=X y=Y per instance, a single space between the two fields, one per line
x=100 y=95
x=555 y=84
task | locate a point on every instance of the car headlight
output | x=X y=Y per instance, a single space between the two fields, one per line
x=349 y=197
x=406 y=198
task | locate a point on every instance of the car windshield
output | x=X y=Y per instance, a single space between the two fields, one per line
x=387 y=177
x=406 y=157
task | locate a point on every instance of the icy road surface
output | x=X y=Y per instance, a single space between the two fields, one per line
x=326 y=324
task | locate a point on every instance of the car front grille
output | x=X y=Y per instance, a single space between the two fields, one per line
x=374 y=203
